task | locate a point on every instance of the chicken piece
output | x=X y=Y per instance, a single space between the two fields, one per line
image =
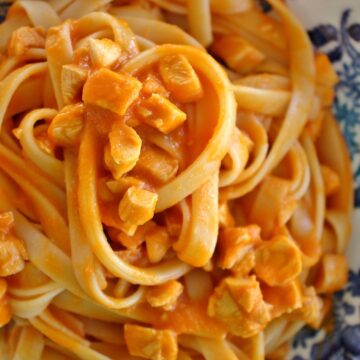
x=66 y=127
x=81 y=58
x=6 y=223
x=121 y=185
x=164 y=295
x=283 y=299
x=314 y=309
x=103 y=191
x=173 y=221
x=137 y=206
x=127 y=228
x=278 y=261
x=238 y=304
x=331 y=180
x=73 y=79
x=235 y=242
x=12 y=256
x=160 y=113
x=245 y=265
x=325 y=72
x=180 y=78
x=332 y=273
x=273 y=206
x=131 y=241
x=225 y=217
x=153 y=85
x=149 y=343
x=237 y=53
x=104 y=52
x=135 y=257
x=134 y=241
x=123 y=150
x=25 y=38
x=156 y=164
x=5 y=310
x=42 y=139
x=157 y=243
x=110 y=90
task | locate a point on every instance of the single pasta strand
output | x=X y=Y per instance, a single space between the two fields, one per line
x=201 y=30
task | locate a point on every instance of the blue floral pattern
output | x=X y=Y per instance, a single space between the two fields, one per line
x=340 y=337
x=342 y=45
x=343 y=341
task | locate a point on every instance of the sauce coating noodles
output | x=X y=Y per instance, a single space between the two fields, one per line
x=173 y=184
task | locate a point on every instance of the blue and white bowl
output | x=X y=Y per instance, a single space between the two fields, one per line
x=334 y=28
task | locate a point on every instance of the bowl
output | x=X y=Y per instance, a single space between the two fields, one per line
x=334 y=28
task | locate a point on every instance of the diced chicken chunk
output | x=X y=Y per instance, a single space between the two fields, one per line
x=123 y=150
x=156 y=164
x=42 y=139
x=137 y=206
x=313 y=309
x=153 y=85
x=173 y=221
x=245 y=265
x=110 y=90
x=234 y=243
x=225 y=217
x=273 y=206
x=331 y=180
x=332 y=274
x=238 y=304
x=127 y=228
x=26 y=38
x=81 y=58
x=157 y=243
x=134 y=241
x=133 y=256
x=150 y=343
x=278 y=261
x=72 y=81
x=103 y=191
x=66 y=127
x=180 y=78
x=160 y=113
x=12 y=256
x=283 y=299
x=5 y=310
x=237 y=53
x=104 y=52
x=6 y=223
x=164 y=295
x=119 y=186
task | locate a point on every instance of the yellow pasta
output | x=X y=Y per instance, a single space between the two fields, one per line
x=169 y=181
